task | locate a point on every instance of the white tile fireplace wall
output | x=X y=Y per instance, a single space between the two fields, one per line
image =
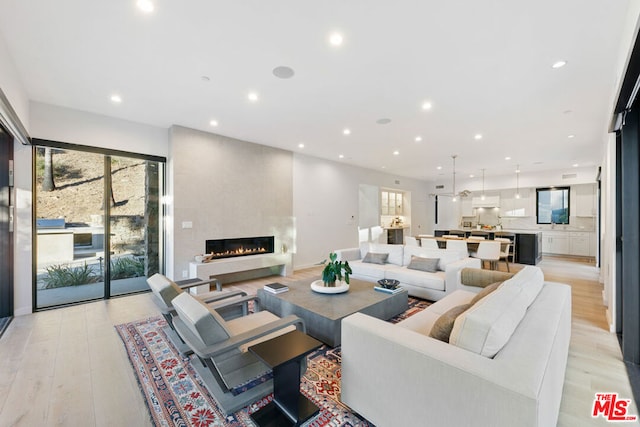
x=225 y=188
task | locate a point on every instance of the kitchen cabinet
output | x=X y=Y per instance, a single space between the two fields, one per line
x=528 y=248
x=466 y=207
x=585 y=200
x=579 y=244
x=512 y=206
x=555 y=242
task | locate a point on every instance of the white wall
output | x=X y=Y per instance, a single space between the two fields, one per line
x=326 y=205
x=608 y=223
x=83 y=128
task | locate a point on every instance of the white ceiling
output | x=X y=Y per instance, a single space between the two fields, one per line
x=485 y=66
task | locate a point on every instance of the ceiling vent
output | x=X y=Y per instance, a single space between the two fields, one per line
x=569 y=175
x=440 y=187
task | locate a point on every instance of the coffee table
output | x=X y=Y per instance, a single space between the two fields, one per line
x=323 y=313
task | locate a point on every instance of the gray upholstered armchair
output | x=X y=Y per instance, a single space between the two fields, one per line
x=225 y=366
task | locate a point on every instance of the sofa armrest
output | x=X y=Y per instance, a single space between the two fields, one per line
x=350 y=254
x=429 y=379
x=482 y=278
x=452 y=272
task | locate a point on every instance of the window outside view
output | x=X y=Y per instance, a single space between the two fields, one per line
x=72 y=264
x=553 y=205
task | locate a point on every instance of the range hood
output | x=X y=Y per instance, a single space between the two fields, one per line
x=488 y=202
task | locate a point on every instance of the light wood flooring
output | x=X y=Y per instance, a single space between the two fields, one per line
x=68 y=367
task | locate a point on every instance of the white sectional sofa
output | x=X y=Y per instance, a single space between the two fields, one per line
x=398 y=375
x=429 y=285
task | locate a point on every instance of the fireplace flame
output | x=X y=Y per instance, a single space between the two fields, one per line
x=239 y=251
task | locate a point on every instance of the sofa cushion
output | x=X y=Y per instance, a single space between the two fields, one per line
x=530 y=279
x=417 y=278
x=374 y=271
x=441 y=329
x=487 y=326
x=446 y=257
x=485 y=291
x=375 y=258
x=424 y=264
x=395 y=252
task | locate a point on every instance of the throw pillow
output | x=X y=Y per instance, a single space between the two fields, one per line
x=442 y=327
x=484 y=292
x=374 y=258
x=424 y=264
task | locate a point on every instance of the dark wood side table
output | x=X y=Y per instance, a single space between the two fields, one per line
x=284 y=354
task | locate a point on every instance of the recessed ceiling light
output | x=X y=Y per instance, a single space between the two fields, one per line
x=471 y=176
x=559 y=64
x=336 y=39
x=341 y=156
x=575 y=165
x=145 y=5
x=418 y=138
x=383 y=121
x=252 y=96
x=571 y=136
x=426 y=105
x=384 y=167
x=395 y=153
x=301 y=145
x=346 y=132
x=115 y=98
x=439 y=168
x=507 y=158
x=213 y=123
x=477 y=136
x=517 y=170
x=283 y=72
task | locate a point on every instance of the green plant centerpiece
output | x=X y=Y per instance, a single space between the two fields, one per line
x=335 y=270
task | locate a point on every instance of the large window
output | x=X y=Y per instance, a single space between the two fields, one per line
x=552 y=205
x=98 y=222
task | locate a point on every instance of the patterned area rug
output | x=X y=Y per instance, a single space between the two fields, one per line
x=176 y=396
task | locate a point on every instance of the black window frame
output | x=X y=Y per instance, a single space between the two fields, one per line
x=538 y=190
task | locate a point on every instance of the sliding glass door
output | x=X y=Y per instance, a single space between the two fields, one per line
x=98 y=219
x=134 y=225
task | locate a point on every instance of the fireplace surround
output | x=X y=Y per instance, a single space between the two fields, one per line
x=238 y=247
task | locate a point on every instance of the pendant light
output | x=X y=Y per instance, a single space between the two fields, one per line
x=482 y=197
x=454 y=177
x=517 y=181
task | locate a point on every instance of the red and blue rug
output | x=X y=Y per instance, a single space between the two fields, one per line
x=176 y=396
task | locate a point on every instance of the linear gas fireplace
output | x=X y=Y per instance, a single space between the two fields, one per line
x=229 y=248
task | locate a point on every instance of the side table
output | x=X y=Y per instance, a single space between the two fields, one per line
x=284 y=355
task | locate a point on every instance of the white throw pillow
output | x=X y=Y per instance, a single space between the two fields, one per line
x=487 y=326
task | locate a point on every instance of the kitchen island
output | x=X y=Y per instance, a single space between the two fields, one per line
x=527 y=245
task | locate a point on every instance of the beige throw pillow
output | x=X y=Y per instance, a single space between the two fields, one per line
x=442 y=327
x=484 y=292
